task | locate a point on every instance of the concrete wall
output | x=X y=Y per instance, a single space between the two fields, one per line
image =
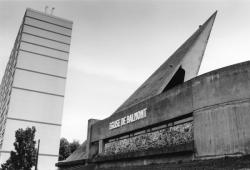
x=223 y=130
x=169 y=105
x=219 y=101
x=222 y=112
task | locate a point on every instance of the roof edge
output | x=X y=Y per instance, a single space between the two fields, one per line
x=51 y=16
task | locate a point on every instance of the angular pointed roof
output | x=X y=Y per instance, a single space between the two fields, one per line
x=188 y=57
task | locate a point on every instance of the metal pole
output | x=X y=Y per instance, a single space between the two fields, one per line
x=37 y=153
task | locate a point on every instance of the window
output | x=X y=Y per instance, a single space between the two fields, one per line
x=177 y=79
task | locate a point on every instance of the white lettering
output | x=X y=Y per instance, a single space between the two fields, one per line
x=128 y=119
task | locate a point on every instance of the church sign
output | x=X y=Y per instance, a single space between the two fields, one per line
x=128 y=119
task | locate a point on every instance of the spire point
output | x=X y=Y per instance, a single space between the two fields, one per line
x=181 y=66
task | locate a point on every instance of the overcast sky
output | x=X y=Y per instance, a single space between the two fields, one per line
x=117 y=44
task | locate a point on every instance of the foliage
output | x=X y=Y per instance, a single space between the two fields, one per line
x=67 y=148
x=175 y=135
x=74 y=145
x=64 y=150
x=24 y=156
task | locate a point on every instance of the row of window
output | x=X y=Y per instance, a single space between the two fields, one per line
x=6 y=85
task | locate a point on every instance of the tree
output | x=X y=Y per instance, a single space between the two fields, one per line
x=67 y=148
x=24 y=156
x=74 y=145
x=64 y=150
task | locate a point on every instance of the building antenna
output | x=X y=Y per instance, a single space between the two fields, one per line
x=52 y=10
x=46 y=8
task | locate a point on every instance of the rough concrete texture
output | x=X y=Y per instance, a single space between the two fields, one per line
x=221 y=111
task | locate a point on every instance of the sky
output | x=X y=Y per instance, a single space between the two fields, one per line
x=117 y=44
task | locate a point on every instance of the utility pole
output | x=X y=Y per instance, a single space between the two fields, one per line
x=37 y=154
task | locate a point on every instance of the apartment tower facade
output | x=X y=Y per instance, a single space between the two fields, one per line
x=33 y=86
